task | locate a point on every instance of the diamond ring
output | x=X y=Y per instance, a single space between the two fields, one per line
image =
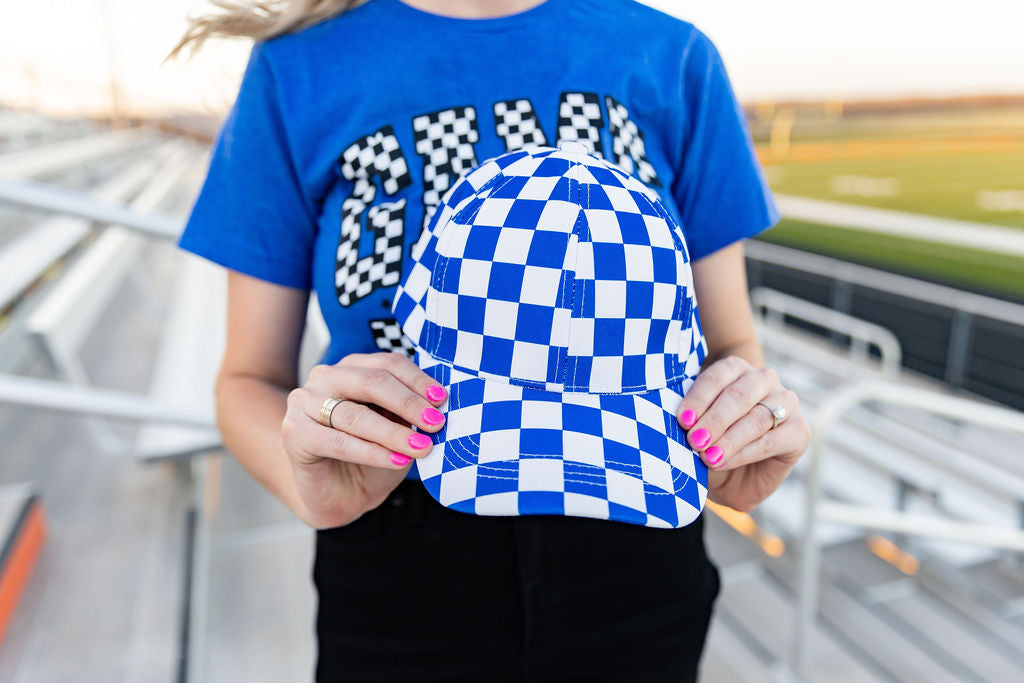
x=778 y=413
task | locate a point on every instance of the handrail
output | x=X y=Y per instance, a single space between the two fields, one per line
x=204 y=476
x=26 y=258
x=817 y=510
x=124 y=405
x=43 y=196
x=64 y=316
x=862 y=333
x=885 y=281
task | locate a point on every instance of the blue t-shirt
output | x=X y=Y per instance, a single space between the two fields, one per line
x=345 y=135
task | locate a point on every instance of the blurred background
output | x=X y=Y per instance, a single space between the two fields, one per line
x=890 y=297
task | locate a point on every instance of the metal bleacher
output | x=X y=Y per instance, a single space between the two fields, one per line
x=147 y=553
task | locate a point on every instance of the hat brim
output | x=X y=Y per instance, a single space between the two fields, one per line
x=512 y=450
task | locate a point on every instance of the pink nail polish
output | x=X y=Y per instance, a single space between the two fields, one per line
x=419 y=441
x=701 y=437
x=432 y=416
x=400 y=459
x=688 y=418
x=436 y=392
x=713 y=454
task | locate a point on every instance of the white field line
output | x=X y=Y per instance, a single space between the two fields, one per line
x=928 y=228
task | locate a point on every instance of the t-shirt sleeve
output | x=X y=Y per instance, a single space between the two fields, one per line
x=720 y=189
x=251 y=214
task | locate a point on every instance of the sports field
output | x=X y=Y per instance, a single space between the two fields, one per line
x=964 y=165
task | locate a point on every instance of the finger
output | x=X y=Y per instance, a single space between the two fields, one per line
x=747 y=429
x=326 y=442
x=379 y=387
x=386 y=413
x=732 y=403
x=368 y=424
x=785 y=442
x=709 y=383
x=405 y=371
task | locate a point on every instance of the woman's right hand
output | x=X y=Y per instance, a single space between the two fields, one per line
x=349 y=468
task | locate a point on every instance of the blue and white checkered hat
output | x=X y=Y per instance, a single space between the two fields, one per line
x=552 y=297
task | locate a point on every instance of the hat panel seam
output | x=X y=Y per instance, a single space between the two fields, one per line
x=678 y=368
x=559 y=377
x=581 y=225
x=445 y=259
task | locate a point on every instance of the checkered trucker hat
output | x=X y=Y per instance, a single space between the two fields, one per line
x=551 y=295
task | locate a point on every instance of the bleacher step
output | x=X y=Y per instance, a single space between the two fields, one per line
x=728 y=659
x=765 y=611
x=41 y=161
x=923 y=615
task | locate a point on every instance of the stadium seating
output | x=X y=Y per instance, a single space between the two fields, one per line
x=179 y=570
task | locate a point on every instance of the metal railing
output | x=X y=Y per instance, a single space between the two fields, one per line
x=969 y=316
x=35 y=195
x=86 y=400
x=64 y=396
x=772 y=306
x=820 y=511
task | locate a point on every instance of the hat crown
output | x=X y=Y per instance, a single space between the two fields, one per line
x=556 y=270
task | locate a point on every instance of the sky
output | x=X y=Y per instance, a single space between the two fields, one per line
x=54 y=56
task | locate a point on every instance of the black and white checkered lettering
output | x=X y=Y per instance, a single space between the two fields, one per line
x=517 y=124
x=445 y=140
x=378 y=154
x=628 y=143
x=374 y=155
x=580 y=119
x=387 y=335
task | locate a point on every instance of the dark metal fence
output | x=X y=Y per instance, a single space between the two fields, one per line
x=968 y=340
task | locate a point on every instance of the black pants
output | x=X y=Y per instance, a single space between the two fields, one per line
x=413 y=591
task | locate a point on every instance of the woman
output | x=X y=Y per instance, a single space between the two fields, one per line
x=350 y=124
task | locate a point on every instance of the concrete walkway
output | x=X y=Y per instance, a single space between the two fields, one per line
x=913 y=225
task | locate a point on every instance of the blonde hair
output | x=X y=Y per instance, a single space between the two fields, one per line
x=258 y=20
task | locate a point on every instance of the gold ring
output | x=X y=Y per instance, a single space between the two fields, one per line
x=778 y=413
x=327 y=409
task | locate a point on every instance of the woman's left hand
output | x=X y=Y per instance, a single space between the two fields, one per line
x=747 y=459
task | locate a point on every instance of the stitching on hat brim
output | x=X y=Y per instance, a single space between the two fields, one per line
x=454 y=445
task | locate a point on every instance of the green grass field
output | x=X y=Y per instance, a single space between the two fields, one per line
x=973 y=269
x=959 y=165
x=949 y=185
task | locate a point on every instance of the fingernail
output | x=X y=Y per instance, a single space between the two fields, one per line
x=688 y=418
x=400 y=459
x=436 y=392
x=419 y=441
x=713 y=454
x=432 y=416
x=701 y=437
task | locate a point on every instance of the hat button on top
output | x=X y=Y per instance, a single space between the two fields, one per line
x=573 y=147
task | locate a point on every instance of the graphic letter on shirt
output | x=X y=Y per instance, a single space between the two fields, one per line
x=580 y=120
x=387 y=335
x=517 y=124
x=445 y=140
x=374 y=155
x=628 y=143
